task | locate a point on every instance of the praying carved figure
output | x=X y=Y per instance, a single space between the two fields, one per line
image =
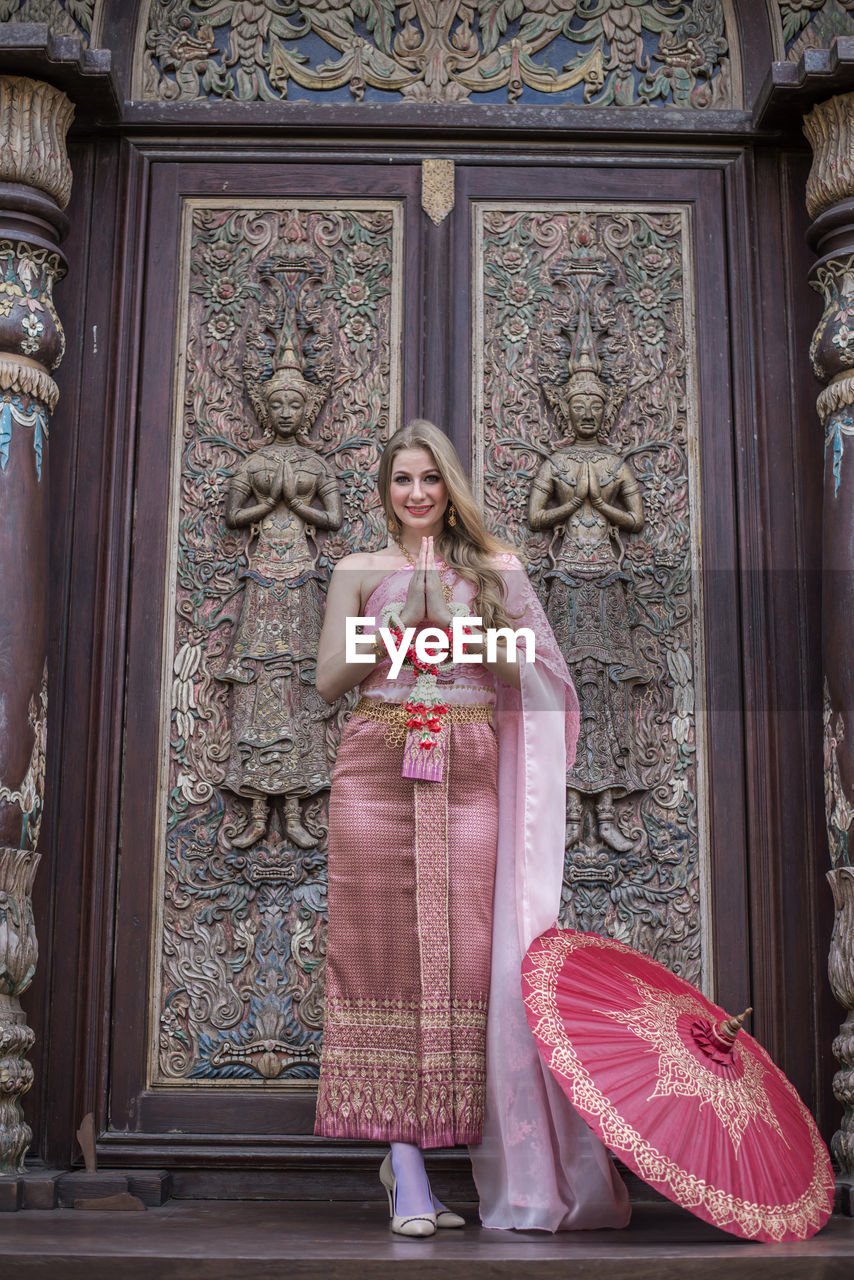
x=590 y=490
x=277 y=719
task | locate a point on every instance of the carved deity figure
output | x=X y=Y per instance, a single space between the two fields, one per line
x=278 y=721
x=591 y=490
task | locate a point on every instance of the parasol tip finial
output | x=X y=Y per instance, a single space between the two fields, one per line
x=731 y=1027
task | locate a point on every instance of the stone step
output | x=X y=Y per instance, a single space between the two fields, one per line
x=258 y=1240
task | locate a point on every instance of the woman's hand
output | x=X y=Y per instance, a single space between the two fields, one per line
x=414 y=606
x=438 y=612
x=425 y=599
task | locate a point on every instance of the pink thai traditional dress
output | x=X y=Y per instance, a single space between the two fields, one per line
x=436 y=888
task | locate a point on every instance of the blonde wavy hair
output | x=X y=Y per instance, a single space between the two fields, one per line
x=466 y=547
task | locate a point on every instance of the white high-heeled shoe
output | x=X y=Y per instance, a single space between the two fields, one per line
x=446 y=1218
x=420 y=1224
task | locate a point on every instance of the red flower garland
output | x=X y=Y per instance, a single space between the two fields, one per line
x=428 y=717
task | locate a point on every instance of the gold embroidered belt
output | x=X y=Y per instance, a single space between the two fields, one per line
x=394 y=716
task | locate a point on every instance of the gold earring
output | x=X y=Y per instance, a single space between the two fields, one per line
x=452 y=515
x=391 y=524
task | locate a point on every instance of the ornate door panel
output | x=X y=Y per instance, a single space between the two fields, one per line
x=239 y=943
x=596 y=301
x=578 y=300
x=294 y=285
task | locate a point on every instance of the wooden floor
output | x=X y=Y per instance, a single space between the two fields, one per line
x=224 y=1240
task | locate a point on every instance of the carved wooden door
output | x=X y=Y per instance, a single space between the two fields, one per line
x=579 y=279
x=335 y=272
x=302 y=272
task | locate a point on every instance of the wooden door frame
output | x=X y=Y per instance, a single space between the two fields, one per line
x=94 y=888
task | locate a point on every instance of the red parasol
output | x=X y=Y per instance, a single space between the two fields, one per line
x=688 y=1101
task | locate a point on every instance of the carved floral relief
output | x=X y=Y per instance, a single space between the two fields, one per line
x=289 y=385
x=585 y=411
x=598 y=52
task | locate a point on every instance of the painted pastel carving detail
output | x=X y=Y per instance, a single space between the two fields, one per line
x=29 y=324
x=585 y=338
x=621 y=52
x=289 y=389
x=23 y=412
x=29 y=327
x=839 y=425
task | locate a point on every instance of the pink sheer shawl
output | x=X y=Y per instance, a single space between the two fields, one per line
x=539 y=1165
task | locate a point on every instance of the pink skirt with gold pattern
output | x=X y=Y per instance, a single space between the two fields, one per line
x=411 y=874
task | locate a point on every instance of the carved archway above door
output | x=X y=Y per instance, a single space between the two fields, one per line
x=621 y=52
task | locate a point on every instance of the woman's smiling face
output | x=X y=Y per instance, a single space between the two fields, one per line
x=417 y=491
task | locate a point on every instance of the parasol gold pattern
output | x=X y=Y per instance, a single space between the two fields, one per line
x=672 y=1024
x=693 y=1105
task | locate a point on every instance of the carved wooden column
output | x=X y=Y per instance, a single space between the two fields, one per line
x=830 y=201
x=35 y=182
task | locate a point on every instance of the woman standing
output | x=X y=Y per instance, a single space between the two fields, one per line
x=446 y=838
